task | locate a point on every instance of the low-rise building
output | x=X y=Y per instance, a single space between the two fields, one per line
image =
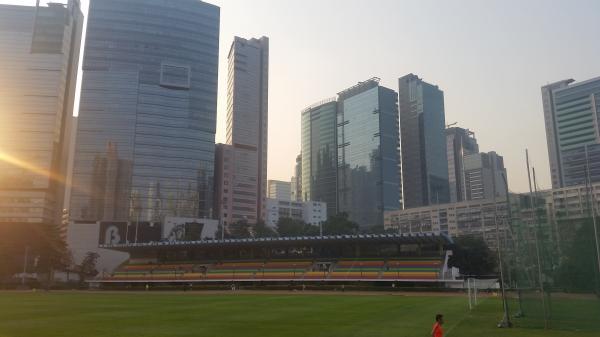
x=572 y=203
x=477 y=217
x=484 y=218
x=311 y=212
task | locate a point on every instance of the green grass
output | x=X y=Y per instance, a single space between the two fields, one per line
x=72 y=314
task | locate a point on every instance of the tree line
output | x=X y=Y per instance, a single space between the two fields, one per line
x=40 y=249
x=339 y=224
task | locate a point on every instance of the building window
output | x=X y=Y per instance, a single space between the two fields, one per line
x=175 y=76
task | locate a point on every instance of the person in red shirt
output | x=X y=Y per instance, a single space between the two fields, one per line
x=437 y=330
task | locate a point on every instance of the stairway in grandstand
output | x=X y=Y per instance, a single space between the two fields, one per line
x=402 y=269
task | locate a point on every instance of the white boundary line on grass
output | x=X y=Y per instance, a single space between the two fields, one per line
x=457 y=323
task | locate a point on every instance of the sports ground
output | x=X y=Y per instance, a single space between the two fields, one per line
x=237 y=314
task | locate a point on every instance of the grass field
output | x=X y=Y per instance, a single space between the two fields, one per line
x=87 y=314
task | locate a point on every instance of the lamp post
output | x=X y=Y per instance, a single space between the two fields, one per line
x=25 y=265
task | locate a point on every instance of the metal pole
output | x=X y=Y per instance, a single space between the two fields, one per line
x=589 y=178
x=505 y=323
x=222 y=230
x=535 y=239
x=475 y=290
x=137 y=223
x=25 y=265
x=469 y=293
x=129 y=219
x=515 y=242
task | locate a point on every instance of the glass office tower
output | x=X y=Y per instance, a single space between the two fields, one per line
x=571 y=111
x=145 y=140
x=319 y=154
x=368 y=152
x=424 y=158
x=39 y=53
x=459 y=143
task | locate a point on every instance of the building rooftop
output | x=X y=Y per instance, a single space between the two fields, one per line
x=406 y=238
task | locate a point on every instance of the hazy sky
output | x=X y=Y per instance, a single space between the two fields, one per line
x=489 y=57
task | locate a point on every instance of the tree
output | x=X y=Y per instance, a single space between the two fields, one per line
x=472 y=256
x=51 y=254
x=311 y=230
x=12 y=251
x=42 y=243
x=87 y=268
x=377 y=229
x=239 y=230
x=578 y=269
x=289 y=227
x=261 y=230
x=339 y=224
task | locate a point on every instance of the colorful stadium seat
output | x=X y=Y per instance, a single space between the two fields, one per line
x=421 y=269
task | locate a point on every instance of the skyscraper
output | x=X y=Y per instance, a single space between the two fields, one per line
x=280 y=190
x=368 y=152
x=571 y=114
x=247 y=121
x=145 y=139
x=39 y=53
x=484 y=176
x=424 y=159
x=319 y=154
x=297 y=180
x=460 y=142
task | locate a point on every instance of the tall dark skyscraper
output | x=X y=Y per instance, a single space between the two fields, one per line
x=297 y=180
x=424 y=159
x=319 y=154
x=368 y=152
x=39 y=53
x=145 y=140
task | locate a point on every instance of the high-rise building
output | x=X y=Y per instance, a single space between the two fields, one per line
x=460 y=142
x=39 y=53
x=297 y=180
x=319 y=153
x=223 y=198
x=281 y=190
x=484 y=176
x=247 y=122
x=424 y=159
x=368 y=152
x=145 y=139
x=571 y=114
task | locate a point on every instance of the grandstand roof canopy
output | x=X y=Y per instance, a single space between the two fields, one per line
x=404 y=238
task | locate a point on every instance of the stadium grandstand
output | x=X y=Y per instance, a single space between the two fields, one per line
x=415 y=258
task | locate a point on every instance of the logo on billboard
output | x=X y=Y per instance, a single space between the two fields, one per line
x=111 y=235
